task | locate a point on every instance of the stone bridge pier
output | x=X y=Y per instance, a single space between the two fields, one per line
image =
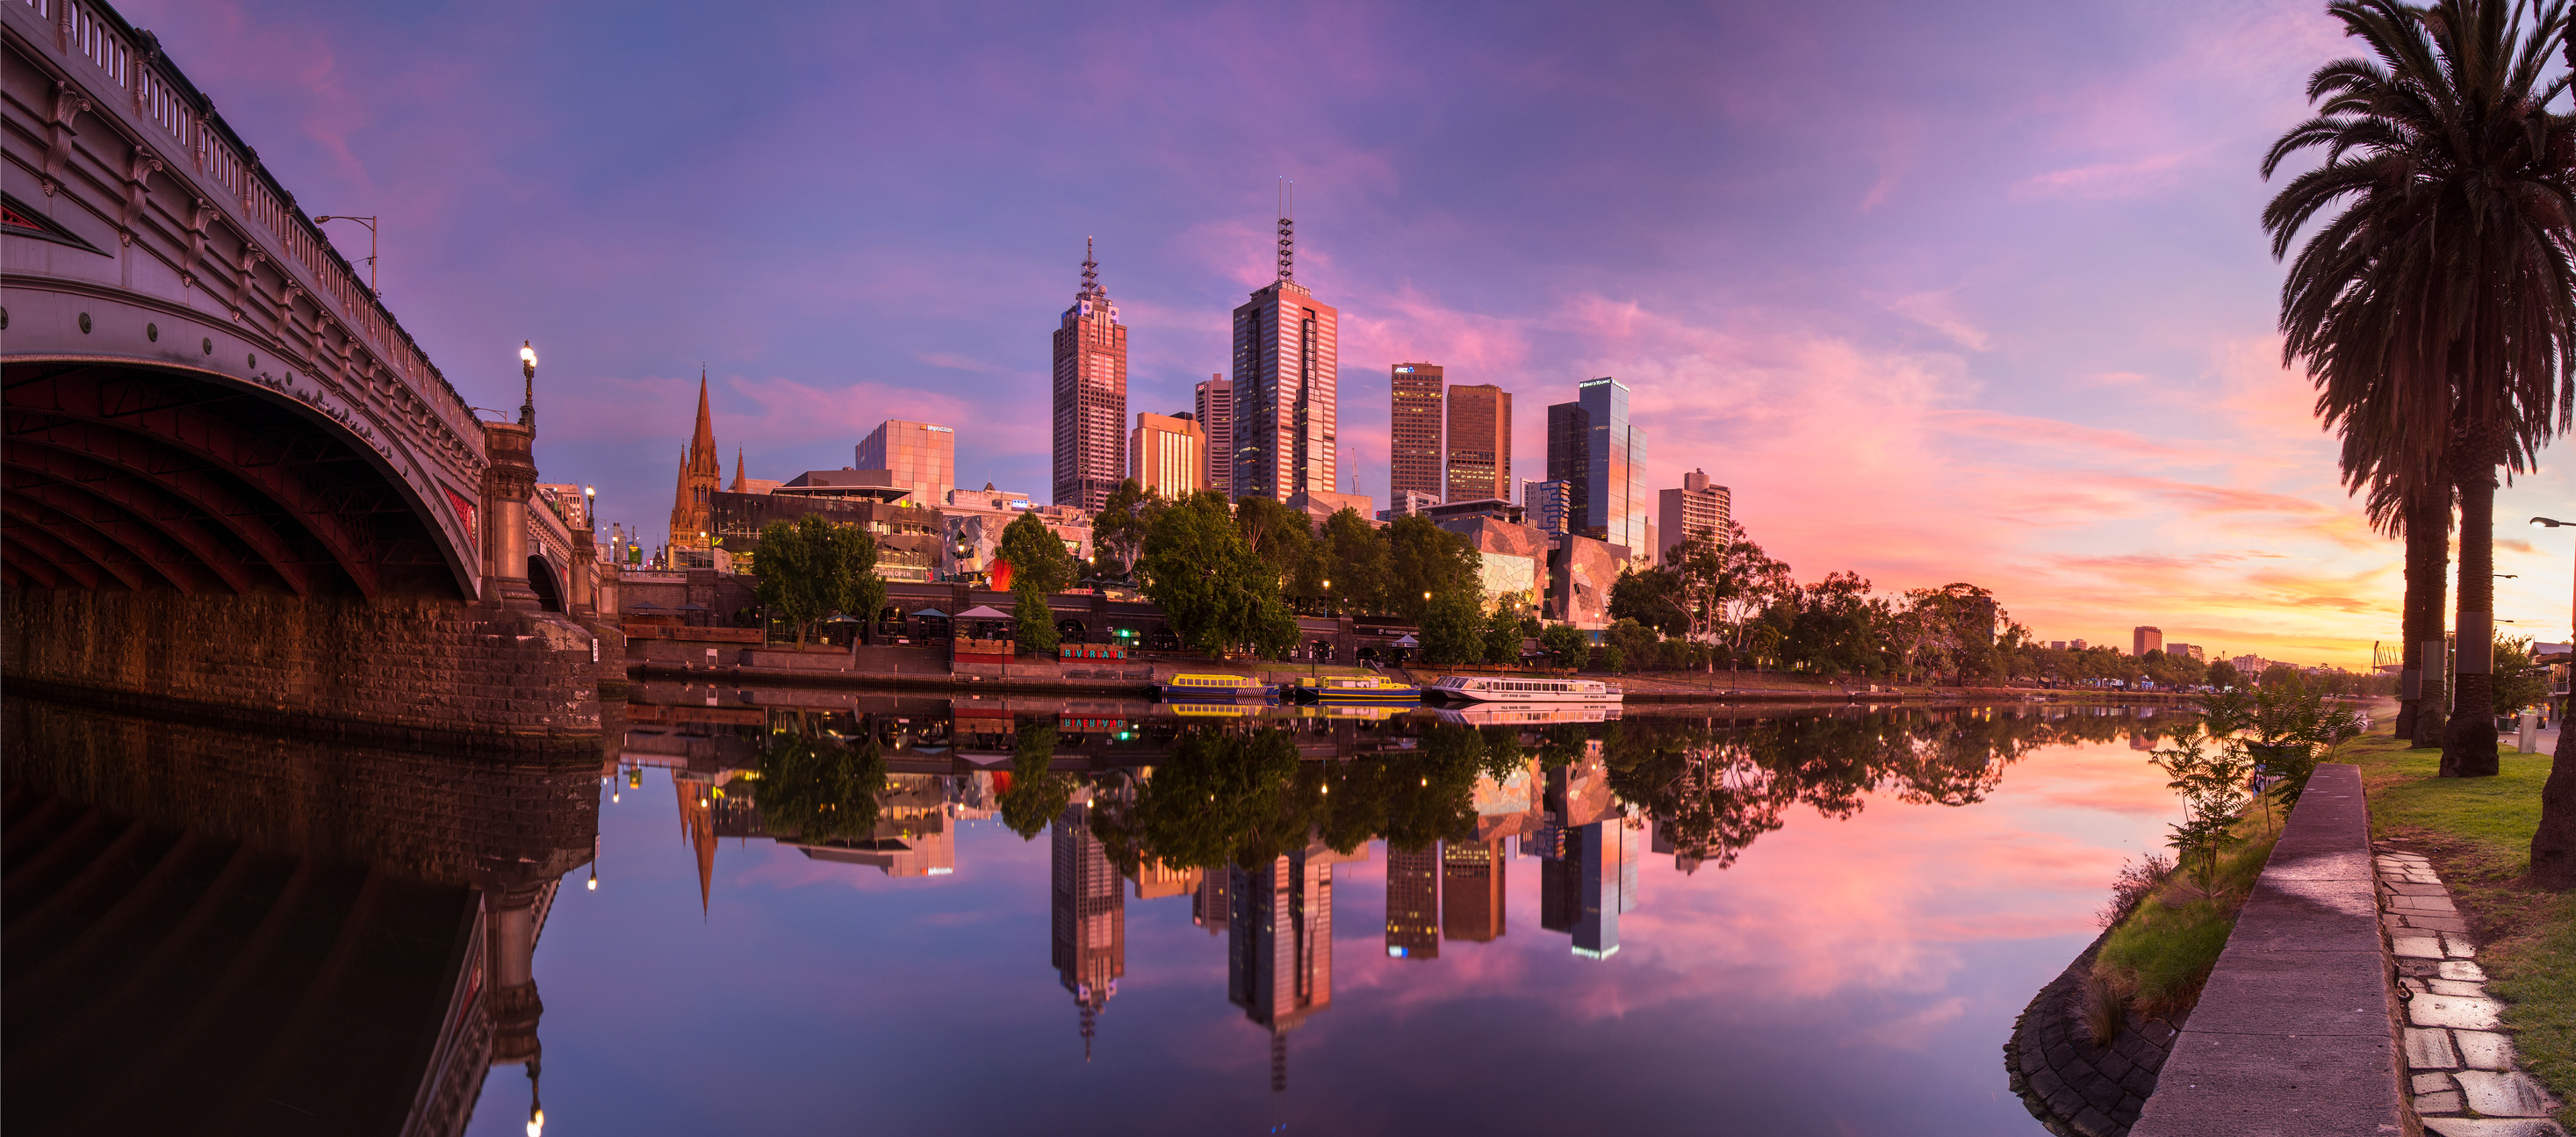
x=235 y=487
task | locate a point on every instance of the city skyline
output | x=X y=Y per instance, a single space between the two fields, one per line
x=1811 y=339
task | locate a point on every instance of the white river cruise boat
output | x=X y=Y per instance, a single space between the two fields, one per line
x=1514 y=689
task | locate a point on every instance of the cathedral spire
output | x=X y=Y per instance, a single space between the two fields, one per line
x=739 y=485
x=703 y=443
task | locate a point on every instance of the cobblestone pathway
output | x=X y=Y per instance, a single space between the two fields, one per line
x=2458 y=1060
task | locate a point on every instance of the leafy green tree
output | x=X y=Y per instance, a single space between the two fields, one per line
x=1036 y=556
x=1280 y=536
x=2222 y=675
x=1216 y=592
x=1565 y=645
x=1635 y=642
x=1118 y=531
x=1037 y=633
x=810 y=568
x=2437 y=309
x=1503 y=632
x=1452 y=630
x=1423 y=558
x=2518 y=682
x=1615 y=658
x=1651 y=598
x=1353 y=557
x=1838 y=628
x=1037 y=794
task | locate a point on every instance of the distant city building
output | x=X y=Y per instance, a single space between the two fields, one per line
x=1696 y=508
x=2057 y=645
x=1156 y=880
x=974 y=521
x=2143 y=639
x=2191 y=651
x=1413 y=903
x=1286 y=348
x=1167 y=454
x=1413 y=431
x=1408 y=503
x=1090 y=394
x=569 y=503
x=920 y=455
x=1548 y=503
x=1471 y=890
x=701 y=468
x=2075 y=645
x=1090 y=924
x=1592 y=447
x=909 y=542
x=1320 y=504
x=1215 y=400
x=1479 y=448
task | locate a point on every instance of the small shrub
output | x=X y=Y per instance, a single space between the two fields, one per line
x=2162 y=952
x=2137 y=880
x=2103 y=1006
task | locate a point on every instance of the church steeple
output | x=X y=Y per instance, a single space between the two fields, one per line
x=739 y=484
x=701 y=472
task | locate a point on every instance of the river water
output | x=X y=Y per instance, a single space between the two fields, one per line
x=839 y=914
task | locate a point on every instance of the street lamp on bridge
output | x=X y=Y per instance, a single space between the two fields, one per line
x=528 y=368
x=370 y=223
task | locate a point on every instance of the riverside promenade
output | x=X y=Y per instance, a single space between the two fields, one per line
x=2296 y=1031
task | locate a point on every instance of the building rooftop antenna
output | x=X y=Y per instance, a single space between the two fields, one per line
x=1287 y=229
x=1090 y=270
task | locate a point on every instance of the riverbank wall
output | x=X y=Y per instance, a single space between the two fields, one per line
x=2074 y=1086
x=2295 y=1030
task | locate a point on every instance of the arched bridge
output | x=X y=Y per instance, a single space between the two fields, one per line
x=204 y=400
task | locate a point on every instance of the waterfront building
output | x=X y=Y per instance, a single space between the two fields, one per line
x=1090 y=394
x=973 y=521
x=1471 y=890
x=1413 y=428
x=1479 y=447
x=2144 y=639
x=1580 y=573
x=1512 y=556
x=919 y=455
x=1286 y=348
x=1547 y=503
x=1601 y=456
x=700 y=469
x=1696 y=508
x=1167 y=454
x=1413 y=903
x=1090 y=917
x=1215 y=399
x=908 y=536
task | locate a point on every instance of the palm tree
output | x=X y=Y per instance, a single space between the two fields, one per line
x=2438 y=309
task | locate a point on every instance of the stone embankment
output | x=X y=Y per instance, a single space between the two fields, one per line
x=2294 y=1030
x=2075 y=1087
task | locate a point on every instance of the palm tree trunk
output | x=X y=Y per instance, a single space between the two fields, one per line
x=2553 y=845
x=2469 y=740
x=2428 y=570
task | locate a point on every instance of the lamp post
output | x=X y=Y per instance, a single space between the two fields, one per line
x=370 y=223
x=528 y=368
x=2554 y=523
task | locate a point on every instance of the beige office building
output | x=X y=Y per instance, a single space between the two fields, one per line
x=1696 y=508
x=1168 y=455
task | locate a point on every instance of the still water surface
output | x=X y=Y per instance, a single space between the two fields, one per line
x=1119 y=920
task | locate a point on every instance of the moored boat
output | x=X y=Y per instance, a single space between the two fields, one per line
x=1206 y=687
x=1521 y=689
x=1365 y=689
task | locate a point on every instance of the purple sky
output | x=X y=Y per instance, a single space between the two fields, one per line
x=1943 y=293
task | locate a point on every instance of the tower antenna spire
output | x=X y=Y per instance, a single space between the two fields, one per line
x=1090 y=270
x=1287 y=229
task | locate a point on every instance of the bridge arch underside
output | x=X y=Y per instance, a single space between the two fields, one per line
x=130 y=477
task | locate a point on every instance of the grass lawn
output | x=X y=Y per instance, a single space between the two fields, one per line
x=2478 y=833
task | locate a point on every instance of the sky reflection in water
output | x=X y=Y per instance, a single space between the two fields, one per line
x=1854 y=970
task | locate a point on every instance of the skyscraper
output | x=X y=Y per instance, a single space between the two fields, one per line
x=1167 y=454
x=1584 y=886
x=1413 y=431
x=1413 y=903
x=1471 y=890
x=1692 y=510
x=1479 y=451
x=1216 y=417
x=2144 y=639
x=701 y=470
x=921 y=455
x=1592 y=447
x=1286 y=345
x=1279 y=947
x=1090 y=941
x=1090 y=394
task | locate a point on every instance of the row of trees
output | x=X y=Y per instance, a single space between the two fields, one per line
x=2433 y=305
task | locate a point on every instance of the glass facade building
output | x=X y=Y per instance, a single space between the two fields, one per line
x=1601 y=456
x=917 y=454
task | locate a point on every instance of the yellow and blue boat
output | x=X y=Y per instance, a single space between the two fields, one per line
x=1205 y=688
x=1365 y=689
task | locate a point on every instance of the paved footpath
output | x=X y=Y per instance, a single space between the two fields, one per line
x=2459 y=1066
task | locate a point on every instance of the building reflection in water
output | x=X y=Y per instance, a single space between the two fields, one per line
x=1279 y=945
x=210 y=931
x=1090 y=917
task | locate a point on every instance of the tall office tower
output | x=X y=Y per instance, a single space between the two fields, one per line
x=1413 y=903
x=1090 y=395
x=1167 y=454
x=1585 y=882
x=1286 y=345
x=2143 y=639
x=1279 y=947
x=1569 y=462
x=921 y=455
x=1471 y=890
x=1090 y=918
x=1216 y=416
x=1695 y=509
x=1612 y=498
x=1480 y=443
x=701 y=470
x=1413 y=431
x=1548 y=504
